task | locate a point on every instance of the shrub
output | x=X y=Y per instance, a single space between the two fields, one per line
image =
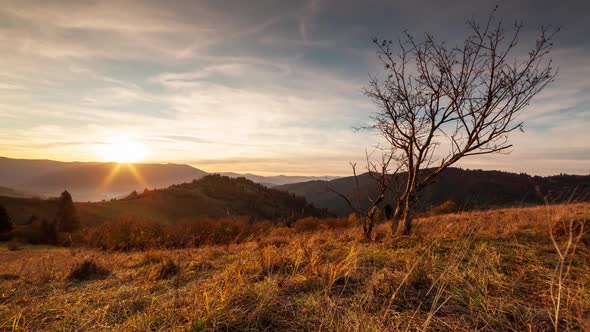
x=87 y=270
x=309 y=224
x=214 y=231
x=131 y=233
x=127 y=233
x=445 y=208
x=168 y=269
x=332 y=223
x=151 y=258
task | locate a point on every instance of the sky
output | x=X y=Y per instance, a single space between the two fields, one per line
x=266 y=87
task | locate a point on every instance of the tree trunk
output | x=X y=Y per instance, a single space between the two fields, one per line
x=368 y=230
x=405 y=222
x=368 y=223
x=402 y=223
x=396 y=216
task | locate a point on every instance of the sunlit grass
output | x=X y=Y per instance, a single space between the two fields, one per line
x=489 y=270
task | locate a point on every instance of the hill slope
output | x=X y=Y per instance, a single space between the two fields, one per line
x=211 y=196
x=470 y=189
x=90 y=180
x=97 y=180
x=479 y=271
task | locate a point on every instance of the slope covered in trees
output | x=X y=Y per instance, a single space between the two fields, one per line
x=469 y=189
x=211 y=196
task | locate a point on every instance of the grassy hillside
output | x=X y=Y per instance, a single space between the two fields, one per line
x=470 y=189
x=485 y=271
x=212 y=196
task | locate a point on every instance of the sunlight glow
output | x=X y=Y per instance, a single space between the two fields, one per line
x=117 y=170
x=122 y=149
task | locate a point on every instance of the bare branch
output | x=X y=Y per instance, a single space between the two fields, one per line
x=464 y=99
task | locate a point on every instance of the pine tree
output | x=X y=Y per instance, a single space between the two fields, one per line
x=5 y=222
x=66 y=216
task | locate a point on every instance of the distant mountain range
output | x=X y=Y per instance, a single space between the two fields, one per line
x=469 y=189
x=90 y=180
x=96 y=180
x=279 y=180
x=210 y=196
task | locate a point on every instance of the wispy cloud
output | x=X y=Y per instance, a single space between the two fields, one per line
x=257 y=86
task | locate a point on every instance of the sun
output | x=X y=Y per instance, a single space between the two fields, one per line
x=122 y=150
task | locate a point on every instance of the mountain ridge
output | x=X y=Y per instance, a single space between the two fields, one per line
x=212 y=196
x=95 y=181
x=469 y=189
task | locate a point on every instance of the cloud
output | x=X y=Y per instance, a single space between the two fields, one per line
x=259 y=86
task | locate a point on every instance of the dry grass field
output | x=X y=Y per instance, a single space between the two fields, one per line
x=497 y=270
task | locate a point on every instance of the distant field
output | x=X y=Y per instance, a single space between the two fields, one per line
x=487 y=271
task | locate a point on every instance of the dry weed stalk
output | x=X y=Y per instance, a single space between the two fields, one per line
x=565 y=252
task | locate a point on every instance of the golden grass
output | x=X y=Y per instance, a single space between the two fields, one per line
x=490 y=270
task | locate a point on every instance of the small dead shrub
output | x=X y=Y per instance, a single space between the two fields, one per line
x=311 y=224
x=167 y=270
x=151 y=258
x=200 y=266
x=132 y=233
x=87 y=270
x=445 y=208
x=127 y=233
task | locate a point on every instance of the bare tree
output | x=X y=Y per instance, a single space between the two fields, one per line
x=438 y=104
x=383 y=178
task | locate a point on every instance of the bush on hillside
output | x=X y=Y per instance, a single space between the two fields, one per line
x=194 y=233
x=445 y=208
x=132 y=233
x=126 y=233
x=168 y=269
x=87 y=270
x=310 y=224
